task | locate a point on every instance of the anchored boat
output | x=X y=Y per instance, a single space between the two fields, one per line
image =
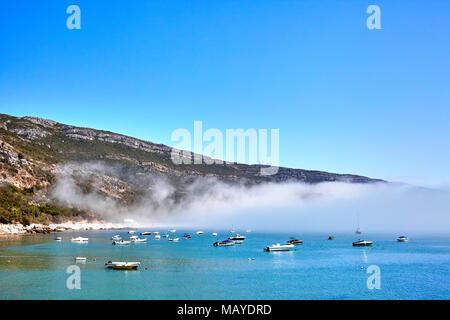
x=137 y=240
x=402 y=239
x=362 y=243
x=199 y=232
x=294 y=241
x=121 y=242
x=237 y=237
x=116 y=238
x=174 y=239
x=58 y=238
x=224 y=243
x=80 y=239
x=279 y=247
x=122 y=265
x=146 y=233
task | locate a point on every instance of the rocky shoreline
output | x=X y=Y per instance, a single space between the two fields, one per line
x=19 y=229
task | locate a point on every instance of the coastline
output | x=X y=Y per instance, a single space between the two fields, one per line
x=20 y=229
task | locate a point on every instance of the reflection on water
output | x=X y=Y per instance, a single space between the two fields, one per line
x=34 y=267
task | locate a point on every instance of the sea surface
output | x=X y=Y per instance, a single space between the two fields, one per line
x=35 y=267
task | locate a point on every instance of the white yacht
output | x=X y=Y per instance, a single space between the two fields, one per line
x=157 y=237
x=237 y=237
x=362 y=243
x=146 y=233
x=80 y=239
x=279 y=247
x=137 y=240
x=199 y=232
x=121 y=242
x=81 y=259
x=402 y=239
x=174 y=239
x=224 y=243
x=214 y=234
x=122 y=265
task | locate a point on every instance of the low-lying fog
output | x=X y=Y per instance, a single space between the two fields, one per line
x=331 y=207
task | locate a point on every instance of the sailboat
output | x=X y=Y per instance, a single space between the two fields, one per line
x=358 y=229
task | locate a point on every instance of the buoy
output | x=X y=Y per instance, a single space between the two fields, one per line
x=146 y=268
x=362 y=267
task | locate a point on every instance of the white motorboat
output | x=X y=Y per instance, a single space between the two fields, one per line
x=146 y=233
x=172 y=230
x=165 y=235
x=58 y=238
x=174 y=239
x=279 y=247
x=294 y=241
x=214 y=234
x=80 y=239
x=116 y=238
x=81 y=259
x=121 y=265
x=155 y=232
x=199 y=232
x=157 y=237
x=131 y=231
x=224 y=243
x=121 y=242
x=133 y=238
x=137 y=240
x=237 y=237
x=402 y=239
x=362 y=243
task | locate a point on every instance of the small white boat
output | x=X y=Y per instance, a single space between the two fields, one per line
x=214 y=234
x=248 y=230
x=131 y=231
x=199 y=232
x=174 y=239
x=121 y=242
x=237 y=237
x=172 y=230
x=155 y=232
x=132 y=238
x=58 y=238
x=80 y=259
x=146 y=233
x=116 y=238
x=80 y=239
x=402 y=239
x=122 y=265
x=225 y=243
x=362 y=243
x=157 y=237
x=279 y=247
x=139 y=240
x=165 y=235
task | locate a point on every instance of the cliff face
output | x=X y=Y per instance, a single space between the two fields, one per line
x=33 y=151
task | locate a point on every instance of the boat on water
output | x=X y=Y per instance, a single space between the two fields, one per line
x=157 y=237
x=248 y=230
x=238 y=241
x=294 y=241
x=402 y=239
x=80 y=239
x=330 y=238
x=58 y=238
x=81 y=259
x=214 y=234
x=237 y=237
x=174 y=239
x=122 y=265
x=199 y=232
x=121 y=242
x=224 y=243
x=155 y=232
x=131 y=231
x=172 y=230
x=116 y=238
x=187 y=236
x=165 y=235
x=133 y=238
x=145 y=233
x=362 y=243
x=138 y=240
x=279 y=247
x=358 y=231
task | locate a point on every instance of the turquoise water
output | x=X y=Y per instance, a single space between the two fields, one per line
x=34 y=267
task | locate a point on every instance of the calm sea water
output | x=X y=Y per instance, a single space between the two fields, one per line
x=34 y=267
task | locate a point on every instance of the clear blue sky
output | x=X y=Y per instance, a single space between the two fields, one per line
x=345 y=98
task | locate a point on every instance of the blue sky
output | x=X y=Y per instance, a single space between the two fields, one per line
x=345 y=98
